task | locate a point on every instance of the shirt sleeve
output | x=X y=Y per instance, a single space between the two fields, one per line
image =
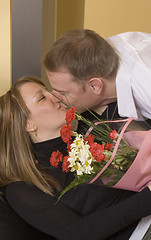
x=63 y=222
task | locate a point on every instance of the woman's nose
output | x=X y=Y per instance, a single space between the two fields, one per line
x=56 y=97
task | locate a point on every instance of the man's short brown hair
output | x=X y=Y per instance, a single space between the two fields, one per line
x=84 y=53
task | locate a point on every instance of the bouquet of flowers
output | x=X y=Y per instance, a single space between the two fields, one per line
x=103 y=154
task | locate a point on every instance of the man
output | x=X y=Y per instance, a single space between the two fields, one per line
x=87 y=71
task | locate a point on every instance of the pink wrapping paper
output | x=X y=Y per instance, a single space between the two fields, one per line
x=138 y=176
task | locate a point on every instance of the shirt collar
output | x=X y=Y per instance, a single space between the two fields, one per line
x=126 y=104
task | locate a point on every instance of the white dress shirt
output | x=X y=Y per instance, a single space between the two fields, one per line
x=141 y=228
x=133 y=81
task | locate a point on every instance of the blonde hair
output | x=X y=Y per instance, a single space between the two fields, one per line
x=17 y=162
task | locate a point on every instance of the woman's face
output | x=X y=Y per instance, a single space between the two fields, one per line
x=46 y=117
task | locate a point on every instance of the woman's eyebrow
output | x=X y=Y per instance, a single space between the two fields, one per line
x=39 y=91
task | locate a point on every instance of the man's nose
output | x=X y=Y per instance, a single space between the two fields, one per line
x=56 y=97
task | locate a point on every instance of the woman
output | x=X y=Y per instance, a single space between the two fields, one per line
x=30 y=131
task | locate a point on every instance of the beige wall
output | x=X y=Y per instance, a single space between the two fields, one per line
x=110 y=17
x=5 y=60
x=70 y=15
x=59 y=16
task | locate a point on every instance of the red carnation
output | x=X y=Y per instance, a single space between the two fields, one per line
x=69 y=145
x=70 y=115
x=55 y=158
x=97 y=151
x=113 y=134
x=89 y=139
x=108 y=146
x=66 y=133
x=65 y=165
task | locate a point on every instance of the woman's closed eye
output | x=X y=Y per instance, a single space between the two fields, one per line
x=41 y=98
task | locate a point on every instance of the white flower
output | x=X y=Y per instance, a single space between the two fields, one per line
x=80 y=158
x=87 y=167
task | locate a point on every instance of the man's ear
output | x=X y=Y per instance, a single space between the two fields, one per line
x=30 y=126
x=96 y=85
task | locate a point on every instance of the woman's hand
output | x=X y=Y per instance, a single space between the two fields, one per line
x=149 y=187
